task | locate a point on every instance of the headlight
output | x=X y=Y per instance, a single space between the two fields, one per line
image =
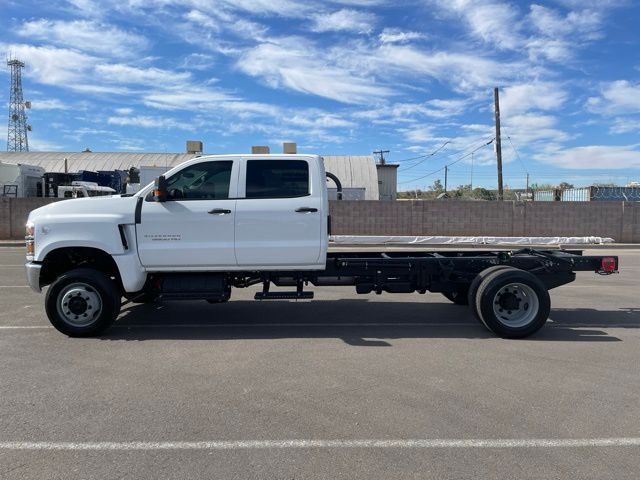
x=29 y=240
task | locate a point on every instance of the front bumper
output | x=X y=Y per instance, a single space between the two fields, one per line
x=33 y=275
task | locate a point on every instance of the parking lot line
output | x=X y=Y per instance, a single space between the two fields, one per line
x=326 y=444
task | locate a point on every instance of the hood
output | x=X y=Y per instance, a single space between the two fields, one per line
x=117 y=209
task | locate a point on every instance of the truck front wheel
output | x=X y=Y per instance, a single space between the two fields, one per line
x=82 y=302
x=513 y=303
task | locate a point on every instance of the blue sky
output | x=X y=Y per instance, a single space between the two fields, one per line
x=340 y=77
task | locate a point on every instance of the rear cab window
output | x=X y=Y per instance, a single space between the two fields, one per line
x=277 y=179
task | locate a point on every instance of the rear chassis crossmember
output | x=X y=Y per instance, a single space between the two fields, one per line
x=393 y=272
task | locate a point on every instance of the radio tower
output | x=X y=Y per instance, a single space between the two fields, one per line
x=17 y=133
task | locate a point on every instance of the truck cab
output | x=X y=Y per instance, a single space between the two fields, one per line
x=236 y=212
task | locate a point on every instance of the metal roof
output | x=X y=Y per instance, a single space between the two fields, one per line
x=54 y=161
x=354 y=171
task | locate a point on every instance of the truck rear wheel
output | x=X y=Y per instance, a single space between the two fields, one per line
x=513 y=303
x=82 y=302
x=475 y=284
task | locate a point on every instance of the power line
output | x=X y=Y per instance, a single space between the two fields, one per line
x=449 y=164
x=426 y=157
x=524 y=167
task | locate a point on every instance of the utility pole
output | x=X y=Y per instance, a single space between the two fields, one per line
x=472 y=171
x=527 y=185
x=446 y=170
x=498 y=144
x=380 y=154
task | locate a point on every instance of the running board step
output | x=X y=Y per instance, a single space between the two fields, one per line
x=283 y=295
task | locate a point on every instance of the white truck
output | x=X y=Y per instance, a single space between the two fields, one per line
x=215 y=223
x=18 y=180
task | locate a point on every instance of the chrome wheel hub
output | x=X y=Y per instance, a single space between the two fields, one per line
x=516 y=305
x=79 y=304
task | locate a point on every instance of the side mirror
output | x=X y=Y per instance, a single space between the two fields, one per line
x=160 y=189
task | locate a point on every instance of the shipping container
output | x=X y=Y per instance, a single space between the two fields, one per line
x=545 y=195
x=576 y=194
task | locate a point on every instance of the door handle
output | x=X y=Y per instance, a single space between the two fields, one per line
x=306 y=210
x=219 y=211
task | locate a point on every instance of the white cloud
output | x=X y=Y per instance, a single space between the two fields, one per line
x=541 y=49
x=405 y=112
x=51 y=65
x=496 y=23
x=623 y=126
x=420 y=134
x=38 y=144
x=460 y=70
x=146 y=121
x=84 y=35
x=559 y=36
x=395 y=35
x=89 y=8
x=188 y=98
x=124 y=111
x=531 y=127
x=549 y=22
x=344 y=20
x=296 y=64
x=595 y=156
x=203 y=20
x=617 y=98
x=198 y=61
x=521 y=98
x=49 y=104
x=126 y=74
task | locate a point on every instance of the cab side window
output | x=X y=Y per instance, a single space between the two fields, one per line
x=277 y=179
x=202 y=181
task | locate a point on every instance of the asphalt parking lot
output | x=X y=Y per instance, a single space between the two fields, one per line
x=344 y=386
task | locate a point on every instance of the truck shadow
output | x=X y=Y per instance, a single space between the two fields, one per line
x=356 y=322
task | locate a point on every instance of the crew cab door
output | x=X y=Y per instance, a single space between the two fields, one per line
x=194 y=228
x=278 y=214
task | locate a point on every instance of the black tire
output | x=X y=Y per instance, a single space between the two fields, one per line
x=100 y=290
x=475 y=284
x=459 y=297
x=513 y=303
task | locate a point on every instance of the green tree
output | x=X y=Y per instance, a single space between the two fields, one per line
x=437 y=186
x=483 y=194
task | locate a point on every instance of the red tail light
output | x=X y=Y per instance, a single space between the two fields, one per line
x=608 y=265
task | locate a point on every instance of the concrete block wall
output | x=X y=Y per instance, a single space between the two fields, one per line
x=618 y=220
x=14 y=213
